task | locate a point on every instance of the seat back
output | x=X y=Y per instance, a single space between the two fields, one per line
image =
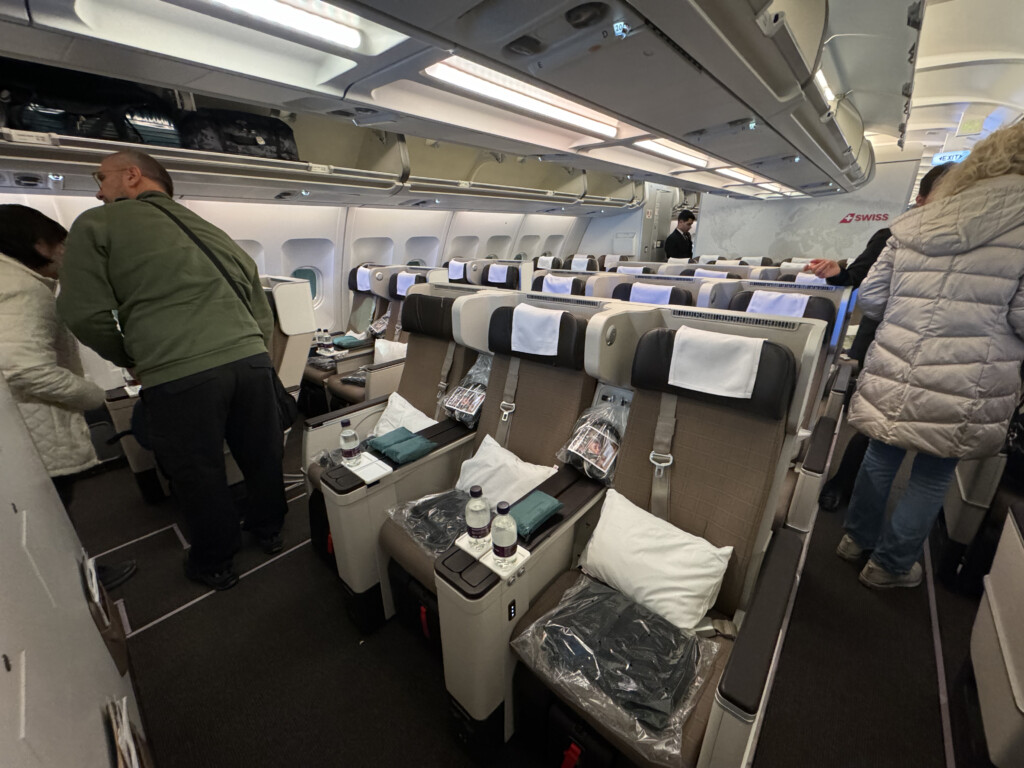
x=294 y=323
x=676 y=294
x=576 y=286
x=427 y=320
x=547 y=262
x=491 y=278
x=817 y=308
x=726 y=452
x=365 y=307
x=581 y=262
x=551 y=390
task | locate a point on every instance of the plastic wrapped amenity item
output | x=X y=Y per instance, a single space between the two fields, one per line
x=379 y=326
x=593 y=446
x=627 y=667
x=463 y=403
x=328 y=459
x=434 y=521
x=322 y=363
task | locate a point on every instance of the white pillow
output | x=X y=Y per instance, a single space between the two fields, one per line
x=385 y=351
x=399 y=412
x=501 y=474
x=675 y=574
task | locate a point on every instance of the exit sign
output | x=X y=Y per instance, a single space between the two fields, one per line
x=940 y=158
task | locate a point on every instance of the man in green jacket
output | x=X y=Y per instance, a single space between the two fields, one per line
x=137 y=289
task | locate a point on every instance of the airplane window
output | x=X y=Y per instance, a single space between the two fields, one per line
x=313 y=275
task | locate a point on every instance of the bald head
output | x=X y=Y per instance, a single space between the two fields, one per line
x=130 y=173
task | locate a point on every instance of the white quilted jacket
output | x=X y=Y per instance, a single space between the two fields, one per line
x=39 y=358
x=944 y=373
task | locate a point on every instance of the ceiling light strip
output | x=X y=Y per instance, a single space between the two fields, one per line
x=523 y=96
x=672 y=153
x=308 y=17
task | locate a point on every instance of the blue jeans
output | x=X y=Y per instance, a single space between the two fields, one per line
x=897 y=547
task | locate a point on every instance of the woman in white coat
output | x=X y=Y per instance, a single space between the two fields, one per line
x=943 y=375
x=39 y=356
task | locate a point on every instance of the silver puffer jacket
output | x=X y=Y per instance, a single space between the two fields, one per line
x=944 y=373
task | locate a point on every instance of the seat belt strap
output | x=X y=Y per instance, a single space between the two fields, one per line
x=398 y=324
x=661 y=456
x=508 y=401
x=442 y=385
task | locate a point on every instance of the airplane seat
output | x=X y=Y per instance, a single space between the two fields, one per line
x=547 y=262
x=787 y=278
x=729 y=502
x=456 y=271
x=816 y=307
x=626 y=269
x=500 y=276
x=649 y=293
x=532 y=404
x=562 y=284
x=581 y=263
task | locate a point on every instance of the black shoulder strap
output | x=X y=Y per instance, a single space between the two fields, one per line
x=202 y=247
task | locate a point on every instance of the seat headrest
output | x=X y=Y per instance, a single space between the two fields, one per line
x=429 y=315
x=393 y=285
x=511 y=276
x=677 y=296
x=578 y=287
x=790 y=278
x=353 y=278
x=818 y=308
x=773 y=387
x=572 y=335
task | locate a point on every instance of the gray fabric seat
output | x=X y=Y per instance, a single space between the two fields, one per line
x=729 y=449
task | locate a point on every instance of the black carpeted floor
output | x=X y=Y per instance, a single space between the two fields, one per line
x=272 y=672
x=856 y=682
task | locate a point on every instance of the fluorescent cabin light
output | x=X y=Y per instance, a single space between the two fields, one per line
x=734 y=174
x=672 y=153
x=490 y=84
x=771 y=187
x=313 y=18
x=820 y=77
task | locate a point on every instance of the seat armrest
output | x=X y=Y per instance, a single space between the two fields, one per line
x=819 y=445
x=384 y=366
x=746 y=673
x=571 y=488
x=318 y=421
x=841 y=383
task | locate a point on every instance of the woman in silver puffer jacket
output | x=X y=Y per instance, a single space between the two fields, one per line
x=944 y=373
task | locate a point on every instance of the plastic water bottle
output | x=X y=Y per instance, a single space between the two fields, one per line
x=325 y=339
x=350 y=449
x=478 y=516
x=504 y=536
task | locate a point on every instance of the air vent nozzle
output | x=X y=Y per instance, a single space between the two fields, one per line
x=586 y=15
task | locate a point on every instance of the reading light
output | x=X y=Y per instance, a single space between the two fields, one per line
x=491 y=84
x=672 y=153
x=309 y=17
x=734 y=174
x=820 y=77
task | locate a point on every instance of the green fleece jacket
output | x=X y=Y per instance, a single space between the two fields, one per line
x=137 y=290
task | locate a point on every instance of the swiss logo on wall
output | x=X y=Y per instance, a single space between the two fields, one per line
x=852 y=218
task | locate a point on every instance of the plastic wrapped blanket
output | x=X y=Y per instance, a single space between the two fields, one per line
x=379 y=326
x=434 y=521
x=593 y=446
x=629 y=668
x=463 y=403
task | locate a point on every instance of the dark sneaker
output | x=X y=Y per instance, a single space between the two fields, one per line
x=876 y=577
x=113 y=576
x=271 y=544
x=830 y=498
x=220 y=580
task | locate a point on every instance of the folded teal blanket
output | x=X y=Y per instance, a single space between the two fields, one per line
x=388 y=439
x=409 y=450
x=347 y=342
x=533 y=511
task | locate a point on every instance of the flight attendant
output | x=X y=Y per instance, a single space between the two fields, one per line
x=679 y=245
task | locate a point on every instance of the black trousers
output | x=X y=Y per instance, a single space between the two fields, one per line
x=189 y=420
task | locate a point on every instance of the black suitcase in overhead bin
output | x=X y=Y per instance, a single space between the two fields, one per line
x=238 y=133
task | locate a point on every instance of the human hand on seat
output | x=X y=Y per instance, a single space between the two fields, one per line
x=822 y=267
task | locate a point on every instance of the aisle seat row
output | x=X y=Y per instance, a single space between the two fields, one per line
x=725 y=473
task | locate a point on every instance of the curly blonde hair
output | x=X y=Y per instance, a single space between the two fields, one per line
x=997 y=155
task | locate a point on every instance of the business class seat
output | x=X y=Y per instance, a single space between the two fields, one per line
x=581 y=263
x=547 y=262
x=560 y=283
x=675 y=295
x=457 y=271
x=726 y=480
x=500 y=276
x=531 y=406
x=706 y=272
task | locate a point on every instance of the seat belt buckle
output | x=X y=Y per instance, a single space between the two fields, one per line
x=660 y=461
x=507 y=409
x=442 y=388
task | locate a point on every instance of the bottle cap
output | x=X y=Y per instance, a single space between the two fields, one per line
x=346 y=423
x=502 y=507
x=476 y=491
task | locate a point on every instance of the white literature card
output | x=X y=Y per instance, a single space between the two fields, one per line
x=369 y=469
